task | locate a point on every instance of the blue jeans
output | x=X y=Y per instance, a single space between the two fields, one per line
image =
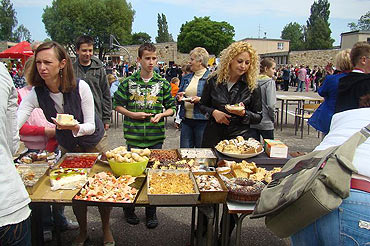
x=347 y=225
x=300 y=85
x=16 y=234
x=48 y=220
x=192 y=133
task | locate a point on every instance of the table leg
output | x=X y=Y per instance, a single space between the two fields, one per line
x=57 y=224
x=227 y=229
x=286 y=111
x=223 y=225
x=239 y=221
x=282 y=115
x=199 y=228
x=217 y=217
x=192 y=230
x=37 y=233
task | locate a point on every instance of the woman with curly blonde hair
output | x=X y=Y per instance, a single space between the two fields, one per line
x=231 y=98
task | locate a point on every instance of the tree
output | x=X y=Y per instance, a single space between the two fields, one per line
x=8 y=20
x=163 y=34
x=140 y=38
x=294 y=32
x=318 y=27
x=363 y=24
x=202 y=31
x=65 y=20
x=22 y=34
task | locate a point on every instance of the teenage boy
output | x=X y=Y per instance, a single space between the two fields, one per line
x=90 y=69
x=141 y=98
x=356 y=85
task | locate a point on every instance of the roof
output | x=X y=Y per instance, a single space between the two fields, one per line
x=265 y=39
x=356 y=32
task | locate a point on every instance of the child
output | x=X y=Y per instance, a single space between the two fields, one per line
x=268 y=93
x=174 y=86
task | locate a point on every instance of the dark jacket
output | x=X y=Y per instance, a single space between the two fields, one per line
x=96 y=78
x=72 y=105
x=350 y=89
x=216 y=96
x=197 y=115
x=321 y=118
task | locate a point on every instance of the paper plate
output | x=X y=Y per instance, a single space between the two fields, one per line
x=241 y=156
x=71 y=124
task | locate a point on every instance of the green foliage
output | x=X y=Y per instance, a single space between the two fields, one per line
x=140 y=38
x=363 y=23
x=163 y=34
x=22 y=34
x=203 y=32
x=294 y=32
x=65 y=20
x=318 y=28
x=8 y=20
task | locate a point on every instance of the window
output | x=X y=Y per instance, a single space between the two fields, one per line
x=280 y=46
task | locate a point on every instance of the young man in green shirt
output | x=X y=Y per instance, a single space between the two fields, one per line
x=144 y=99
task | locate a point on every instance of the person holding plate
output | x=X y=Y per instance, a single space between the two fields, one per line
x=57 y=91
x=231 y=98
x=193 y=122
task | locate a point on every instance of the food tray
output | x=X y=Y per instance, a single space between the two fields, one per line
x=49 y=162
x=172 y=199
x=39 y=171
x=164 y=155
x=204 y=156
x=138 y=184
x=213 y=196
x=78 y=155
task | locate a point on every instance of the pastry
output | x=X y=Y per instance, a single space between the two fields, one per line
x=68 y=178
x=65 y=119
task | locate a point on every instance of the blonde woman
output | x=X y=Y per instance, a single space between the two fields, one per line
x=234 y=82
x=321 y=119
x=193 y=121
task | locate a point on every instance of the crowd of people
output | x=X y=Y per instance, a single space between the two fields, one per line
x=198 y=94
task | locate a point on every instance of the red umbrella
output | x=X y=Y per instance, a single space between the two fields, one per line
x=21 y=50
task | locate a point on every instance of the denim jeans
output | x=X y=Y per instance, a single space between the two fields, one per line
x=300 y=85
x=16 y=234
x=192 y=133
x=48 y=220
x=347 y=225
x=266 y=134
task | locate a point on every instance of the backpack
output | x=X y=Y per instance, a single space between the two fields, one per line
x=308 y=187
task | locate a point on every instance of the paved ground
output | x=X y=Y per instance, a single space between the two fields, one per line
x=174 y=227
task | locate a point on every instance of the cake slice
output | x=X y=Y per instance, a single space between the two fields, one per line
x=65 y=119
x=68 y=178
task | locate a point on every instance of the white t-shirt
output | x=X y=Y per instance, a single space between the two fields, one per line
x=30 y=102
x=343 y=126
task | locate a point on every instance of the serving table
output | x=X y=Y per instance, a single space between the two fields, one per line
x=43 y=195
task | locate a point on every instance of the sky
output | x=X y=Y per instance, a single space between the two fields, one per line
x=250 y=18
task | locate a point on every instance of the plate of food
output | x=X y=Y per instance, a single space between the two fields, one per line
x=235 y=107
x=66 y=120
x=186 y=99
x=240 y=148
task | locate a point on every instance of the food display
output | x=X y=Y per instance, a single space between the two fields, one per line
x=236 y=107
x=250 y=170
x=170 y=183
x=67 y=178
x=80 y=160
x=239 y=147
x=243 y=190
x=171 y=187
x=121 y=154
x=104 y=187
x=208 y=183
x=163 y=155
x=66 y=120
x=31 y=175
x=42 y=157
x=179 y=165
x=191 y=153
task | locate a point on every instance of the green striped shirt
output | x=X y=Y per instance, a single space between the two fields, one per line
x=137 y=96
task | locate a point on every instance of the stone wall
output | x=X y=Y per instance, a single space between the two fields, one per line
x=166 y=52
x=312 y=57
